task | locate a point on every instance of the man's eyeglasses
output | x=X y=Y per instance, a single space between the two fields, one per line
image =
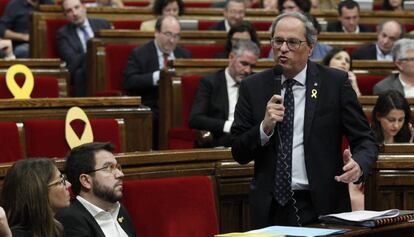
x=292 y=43
x=110 y=168
x=170 y=35
x=407 y=59
x=62 y=181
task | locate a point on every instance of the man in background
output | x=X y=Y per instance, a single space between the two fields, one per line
x=234 y=12
x=72 y=42
x=348 y=19
x=216 y=98
x=142 y=72
x=388 y=32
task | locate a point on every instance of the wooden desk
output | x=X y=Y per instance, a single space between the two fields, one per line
x=137 y=118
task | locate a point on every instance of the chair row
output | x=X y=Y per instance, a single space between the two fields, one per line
x=46 y=138
x=135 y=133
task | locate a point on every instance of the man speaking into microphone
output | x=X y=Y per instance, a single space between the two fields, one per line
x=294 y=137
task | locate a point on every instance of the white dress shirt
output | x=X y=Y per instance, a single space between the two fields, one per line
x=160 y=54
x=233 y=95
x=299 y=174
x=81 y=36
x=381 y=56
x=106 y=220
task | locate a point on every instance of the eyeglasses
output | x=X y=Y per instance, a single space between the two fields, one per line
x=110 y=168
x=407 y=59
x=292 y=43
x=170 y=35
x=62 y=181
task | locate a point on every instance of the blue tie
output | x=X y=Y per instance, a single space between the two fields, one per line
x=85 y=35
x=283 y=176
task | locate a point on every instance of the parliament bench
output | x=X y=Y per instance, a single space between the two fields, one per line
x=136 y=118
x=52 y=73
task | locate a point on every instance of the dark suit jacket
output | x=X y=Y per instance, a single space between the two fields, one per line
x=333 y=113
x=71 y=51
x=142 y=62
x=365 y=52
x=211 y=108
x=391 y=82
x=337 y=27
x=78 y=222
x=219 y=26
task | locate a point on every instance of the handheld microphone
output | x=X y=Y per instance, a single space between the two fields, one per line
x=277 y=73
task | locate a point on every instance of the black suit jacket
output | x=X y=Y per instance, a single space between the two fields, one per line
x=142 y=62
x=210 y=108
x=78 y=222
x=332 y=112
x=219 y=26
x=337 y=27
x=365 y=52
x=70 y=50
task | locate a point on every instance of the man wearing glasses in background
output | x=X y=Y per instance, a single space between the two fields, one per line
x=142 y=71
x=403 y=81
x=97 y=185
x=293 y=131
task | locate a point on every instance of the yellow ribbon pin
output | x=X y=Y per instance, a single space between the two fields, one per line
x=314 y=93
x=27 y=88
x=71 y=138
x=121 y=219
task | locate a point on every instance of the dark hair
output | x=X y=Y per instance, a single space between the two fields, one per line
x=304 y=5
x=226 y=4
x=386 y=6
x=159 y=6
x=334 y=51
x=349 y=4
x=25 y=197
x=81 y=160
x=386 y=102
x=245 y=26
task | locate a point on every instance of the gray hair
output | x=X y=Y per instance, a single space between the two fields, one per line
x=400 y=48
x=245 y=45
x=310 y=31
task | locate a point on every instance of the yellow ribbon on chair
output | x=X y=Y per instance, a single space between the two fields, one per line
x=18 y=92
x=71 y=137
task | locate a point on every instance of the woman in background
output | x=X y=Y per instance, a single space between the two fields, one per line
x=33 y=191
x=340 y=59
x=244 y=31
x=393 y=5
x=391 y=119
x=163 y=8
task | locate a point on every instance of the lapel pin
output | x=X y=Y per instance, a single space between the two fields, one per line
x=121 y=219
x=314 y=93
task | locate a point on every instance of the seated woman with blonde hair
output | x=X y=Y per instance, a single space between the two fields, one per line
x=33 y=191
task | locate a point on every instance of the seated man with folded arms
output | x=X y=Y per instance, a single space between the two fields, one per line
x=388 y=32
x=213 y=107
x=96 y=180
x=348 y=19
x=234 y=12
x=72 y=41
x=142 y=71
x=403 y=57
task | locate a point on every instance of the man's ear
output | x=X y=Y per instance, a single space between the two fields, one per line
x=85 y=181
x=398 y=64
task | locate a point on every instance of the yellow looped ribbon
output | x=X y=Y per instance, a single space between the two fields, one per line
x=314 y=93
x=18 y=92
x=71 y=138
x=121 y=219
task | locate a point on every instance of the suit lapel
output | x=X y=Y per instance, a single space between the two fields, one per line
x=74 y=38
x=313 y=85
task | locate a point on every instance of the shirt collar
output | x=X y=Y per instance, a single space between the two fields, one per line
x=227 y=25
x=381 y=55
x=356 y=30
x=229 y=79
x=95 y=210
x=299 y=78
